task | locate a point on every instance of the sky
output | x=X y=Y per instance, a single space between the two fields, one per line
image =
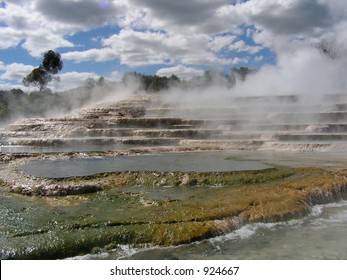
x=164 y=37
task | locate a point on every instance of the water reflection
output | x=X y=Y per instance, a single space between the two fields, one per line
x=183 y=162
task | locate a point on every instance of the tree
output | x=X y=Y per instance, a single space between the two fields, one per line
x=38 y=78
x=173 y=81
x=90 y=83
x=241 y=73
x=52 y=62
x=42 y=75
x=100 y=82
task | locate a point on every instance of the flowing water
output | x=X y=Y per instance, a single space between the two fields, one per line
x=321 y=235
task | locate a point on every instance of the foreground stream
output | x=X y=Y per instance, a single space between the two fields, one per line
x=320 y=235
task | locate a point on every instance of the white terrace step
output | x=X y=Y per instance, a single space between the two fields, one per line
x=182 y=133
x=309 y=127
x=275 y=117
x=179 y=110
x=300 y=120
x=298 y=117
x=94 y=141
x=317 y=146
x=101 y=132
x=57 y=124
x=280 y=136
x=254 y=145
x=150 y=132
x=120 y=111
x=184 y=126
x=148 y=122
x=242 y=135
x=311 y=136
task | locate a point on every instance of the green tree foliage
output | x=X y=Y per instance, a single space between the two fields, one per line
x=3 y=105
x=52 y=62
x=150 y=83
x=38 y=78
x=42 y=75
x=154 y=83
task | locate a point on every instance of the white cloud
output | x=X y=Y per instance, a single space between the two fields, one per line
x=180 y=71
x=338 y=8
x=140 y=48
x=9 y=86
x=240 y=46
x=178 y=44
x=83 y=14
x=292 y=16
x=9 y=37
x=173 y=33
x=71 y=80
x=18 y=2
x=238 y=60
x=116 y=76
x=24 y=24
x=100 y=55
x=304 y=71
x=15 y=71
x=282 y=25
x=182 y=16
x=259 y=58
x=220 y=42
x=11 y=75
x=281 y=16
x=41 y=41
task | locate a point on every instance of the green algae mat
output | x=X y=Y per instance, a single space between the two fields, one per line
x=157 y=208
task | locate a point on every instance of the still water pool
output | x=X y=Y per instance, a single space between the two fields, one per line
x=166 y=162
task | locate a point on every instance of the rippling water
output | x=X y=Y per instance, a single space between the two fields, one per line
x=321 y=235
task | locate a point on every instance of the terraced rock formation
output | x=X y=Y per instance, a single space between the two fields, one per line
x=258 y=123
